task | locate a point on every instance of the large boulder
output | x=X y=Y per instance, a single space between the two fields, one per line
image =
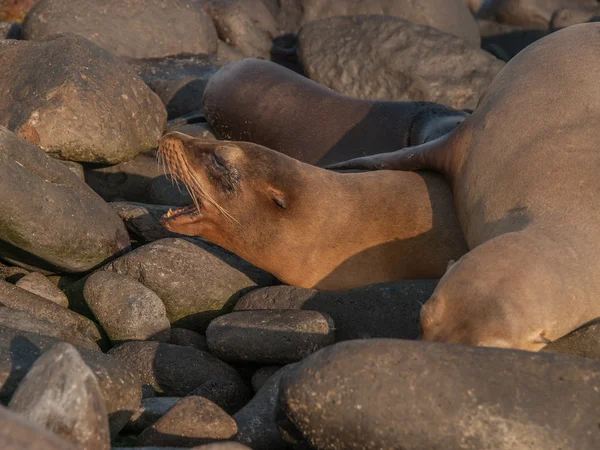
x=128 y=28
x=77 y=102
x=49 y=218
x=386 y=58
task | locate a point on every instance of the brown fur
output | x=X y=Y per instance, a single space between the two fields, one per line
x=311 y=227
x=524 y=168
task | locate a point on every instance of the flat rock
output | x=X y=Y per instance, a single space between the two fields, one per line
x=20 y=320
x=231 y=396
x=173 y=370
x=43 y=309
x=126 y=309
x=192 y=421
x=150 y=411
x=196 y=281
x=584 y=342
x=120 y=385
x=128 y=28
x=386 y=58
x=257 y=421
x=260 y=377
x=269 y=336
x=188 y=338
x=18 y=433
x=111 y=115
x=143 y=220
x=38 y=284
x=354 y=394
x=380 y=310
x=61 y=394
x=38 y=190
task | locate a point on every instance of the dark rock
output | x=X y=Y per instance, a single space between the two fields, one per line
x=9 y=30
x=230 y=396
x=269 y=336
x=61 y=394
x=356 y=393
x=181 y=96
x=192 y=421
x=584 y=342
x=126 y=309
x=39 y=190
x=111 y=115
x=43 y=309
x=12 y=274
x=196 y=281
x=148 y=391
x=20 y=320
x=18 y=433
x=386 y=58
x=257 y=426
x=380 y=310
x=260 y=377
x=527 y=13
x=173 y=370
x=150 y=411
x=188 y=338
x=143 y=220
x=163 y=191
x=222 y=446
x=38 y=284
x=505 y=41
x=128 y=28
x=120 y=385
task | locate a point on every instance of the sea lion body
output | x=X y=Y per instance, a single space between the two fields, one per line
x=524 y=172
x=308 y=226
x=262 y=102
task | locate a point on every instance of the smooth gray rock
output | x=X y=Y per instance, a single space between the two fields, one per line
x=126 y=309
x=196 y=281
x=128 y=28
x=143 y=220
x=83 y=103
x=38 y=190
x=355 y=394
x=386 y=58
x=61 y=394
x=38 y=284
x=269 y=336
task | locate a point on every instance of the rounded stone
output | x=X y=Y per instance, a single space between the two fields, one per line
x=38 y=284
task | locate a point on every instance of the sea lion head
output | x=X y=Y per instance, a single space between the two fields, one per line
x=484 y=300
x=245 y=196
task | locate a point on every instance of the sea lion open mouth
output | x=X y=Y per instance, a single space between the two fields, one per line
x=190 y=210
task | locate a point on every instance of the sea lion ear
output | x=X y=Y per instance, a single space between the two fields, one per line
x=279 y=198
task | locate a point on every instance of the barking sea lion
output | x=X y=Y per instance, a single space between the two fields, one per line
x=524 y=168
x=308 y=226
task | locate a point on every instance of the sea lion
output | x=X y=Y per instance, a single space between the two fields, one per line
x=526 y=185
x=262 y=102
x=308 y=226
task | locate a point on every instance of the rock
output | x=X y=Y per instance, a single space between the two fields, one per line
x=505 y=41
x=192 y=421
x=527 y=13
x=257 y=426
x=128 y=28
x=148 y=391
x=584 y=342
x=150 y=411
x=39 y=190
x=143 y=220
x=119 y=384
x=356 y=393
x=196 y=281
x=565 y=17
x=38 y=284
x=12 y=274
x=222 y=446
x=163 y=191
x=385 y=58
x=112 y=116
x=246 y=25
x=75 y=167
x=380 y=310
x=269 y=336
x=61 y=394
x=188 y=338
x=43 y=309
x=173 y=370
x=15 y=10
x=20 y=320
x=10 y=30
x=126 y=309
x=230 y=396
x=181 y=96
x=18 y=433
x=262 y=375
